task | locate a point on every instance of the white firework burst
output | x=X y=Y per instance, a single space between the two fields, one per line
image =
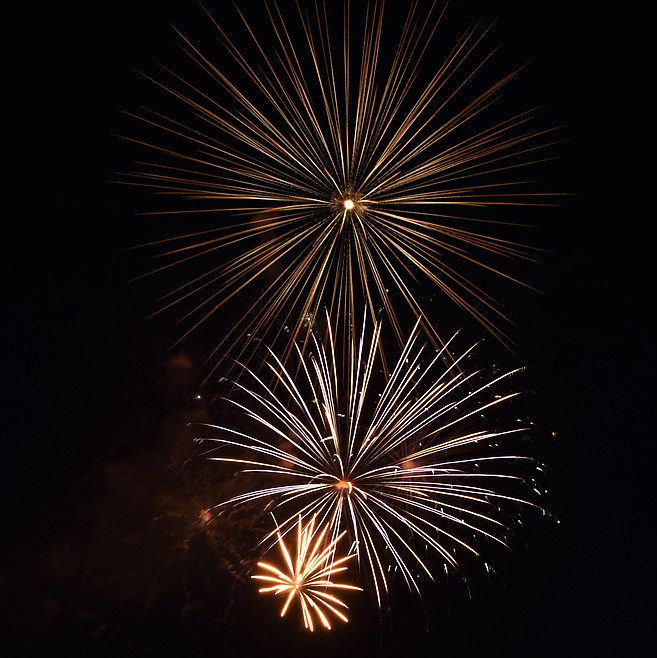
x=405 y=462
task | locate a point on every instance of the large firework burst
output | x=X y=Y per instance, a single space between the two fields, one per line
x=309 y=577
x=403 y=462
x=343 y=159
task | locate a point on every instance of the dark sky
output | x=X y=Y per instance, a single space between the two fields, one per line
x=104 y=553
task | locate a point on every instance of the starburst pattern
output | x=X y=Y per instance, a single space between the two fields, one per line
x=338 y=172
x=401 y=462
x=308 y=577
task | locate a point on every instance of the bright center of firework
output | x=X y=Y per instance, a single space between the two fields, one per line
x=344 y=485
x=347 y=204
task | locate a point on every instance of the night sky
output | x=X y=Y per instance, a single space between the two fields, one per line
x=102 y=485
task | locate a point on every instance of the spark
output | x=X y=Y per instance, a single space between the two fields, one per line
x=340 y=165
x=399 y=462
x=309 y=576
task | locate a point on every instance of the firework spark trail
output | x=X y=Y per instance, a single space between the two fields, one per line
x=374 y=180
x=392 y=460
x=309 y=576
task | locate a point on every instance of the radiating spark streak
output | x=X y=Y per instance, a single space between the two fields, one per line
x=392 y=459
x=309 y=121
x=309 y=576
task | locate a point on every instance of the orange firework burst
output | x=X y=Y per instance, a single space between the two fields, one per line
x=308 y=575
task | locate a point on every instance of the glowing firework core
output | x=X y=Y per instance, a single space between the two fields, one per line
x=345 y=486
x=348 y=202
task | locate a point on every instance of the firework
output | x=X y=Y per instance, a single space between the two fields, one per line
x=342 y=162
x=309 y=575
x=400 y=462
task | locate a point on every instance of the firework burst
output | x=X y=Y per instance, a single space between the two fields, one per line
x=309 y=576
x=342 y=162
x=399 y=461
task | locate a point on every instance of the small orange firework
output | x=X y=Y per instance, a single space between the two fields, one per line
x=308 y=576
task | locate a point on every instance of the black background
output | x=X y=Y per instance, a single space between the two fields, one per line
x=103 y=551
